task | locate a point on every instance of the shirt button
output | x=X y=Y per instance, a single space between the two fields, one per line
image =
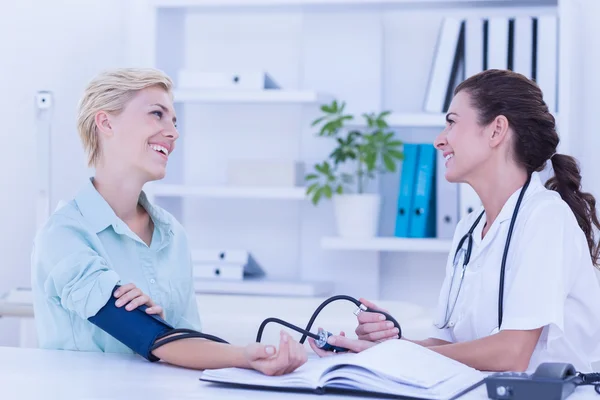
x=152 y=281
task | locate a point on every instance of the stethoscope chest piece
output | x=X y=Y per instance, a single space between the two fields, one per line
x=322 y=342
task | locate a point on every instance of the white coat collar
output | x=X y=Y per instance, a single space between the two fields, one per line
x=506 y=212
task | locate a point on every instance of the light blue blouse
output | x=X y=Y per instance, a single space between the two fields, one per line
x=84 y=250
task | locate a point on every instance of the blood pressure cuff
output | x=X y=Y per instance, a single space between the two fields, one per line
x=135 y=329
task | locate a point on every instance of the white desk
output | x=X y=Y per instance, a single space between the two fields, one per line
x=44 y=375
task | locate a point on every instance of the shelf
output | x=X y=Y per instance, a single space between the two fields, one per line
x=249 y=96
x=418 y=4
x=233 y=192
x=417 y=120
x=408 y=120
x=388 y=244
x=263 y=287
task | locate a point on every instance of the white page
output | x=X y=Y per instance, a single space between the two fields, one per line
x=406 y=362
x=307 y=376
x=369 y=382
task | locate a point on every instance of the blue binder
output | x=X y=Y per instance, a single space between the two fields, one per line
x=405 y=193
x=422 y=220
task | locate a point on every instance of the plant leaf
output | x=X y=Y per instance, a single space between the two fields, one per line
x=326 y=108
x=370 y=159
x=327 y=191
x=317 y=196
x=318 y=120
x=311 y=177
x=389 y=162
x=396 y=154
x=311 y=188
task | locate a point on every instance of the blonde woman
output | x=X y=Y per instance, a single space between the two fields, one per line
x=110 y=247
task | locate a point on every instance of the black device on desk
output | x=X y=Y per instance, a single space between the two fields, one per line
x=550 y=381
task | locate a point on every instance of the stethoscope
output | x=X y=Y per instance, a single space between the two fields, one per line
x=468 y=237
x=320 y=337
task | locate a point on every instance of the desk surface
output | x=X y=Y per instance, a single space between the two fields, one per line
x=46 y=374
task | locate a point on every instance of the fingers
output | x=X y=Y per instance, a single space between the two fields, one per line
x=297 y=356
x=371 y=305
x=366 y=317
x=257 y=351
x=124 y=289
x=133 y=297
x=287 y=358
x=353 y=345
x=138 y=301
x=155 y=310
x=380 y=335
x=125 y=298
x=283 y=356
x=320 y=352
x=368 y=328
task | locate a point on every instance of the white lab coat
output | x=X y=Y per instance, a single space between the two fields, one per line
x=550 y=281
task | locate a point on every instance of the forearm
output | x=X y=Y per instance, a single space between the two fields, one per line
x=428 y=342
x=201 y=354
x=504 y=351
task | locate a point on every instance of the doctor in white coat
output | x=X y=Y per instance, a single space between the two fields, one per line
x=544 y=305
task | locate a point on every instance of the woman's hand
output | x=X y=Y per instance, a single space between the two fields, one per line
x=133 y=297
x=353 y=345
x=373 y=326
x=269 y=361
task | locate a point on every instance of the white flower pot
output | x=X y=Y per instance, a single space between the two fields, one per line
x=357 y=215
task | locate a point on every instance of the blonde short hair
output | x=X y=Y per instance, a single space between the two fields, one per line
x=110 y=91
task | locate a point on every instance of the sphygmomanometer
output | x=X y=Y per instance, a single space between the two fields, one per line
x=143 y=333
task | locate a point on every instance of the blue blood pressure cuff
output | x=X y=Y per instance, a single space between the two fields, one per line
x=135 y=329
x=141 y=332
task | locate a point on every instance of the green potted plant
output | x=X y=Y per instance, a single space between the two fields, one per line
x=360 y=154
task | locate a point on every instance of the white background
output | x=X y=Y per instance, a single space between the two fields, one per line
x=369 y=61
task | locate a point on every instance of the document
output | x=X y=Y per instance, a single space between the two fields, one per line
x=394 y=367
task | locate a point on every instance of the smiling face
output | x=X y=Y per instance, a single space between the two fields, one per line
x=464 y=143
x=139 y=140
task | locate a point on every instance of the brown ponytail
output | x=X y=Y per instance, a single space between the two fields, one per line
x=567 y=182
x=503 y=92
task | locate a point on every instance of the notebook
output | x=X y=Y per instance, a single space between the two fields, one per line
x=395 y=368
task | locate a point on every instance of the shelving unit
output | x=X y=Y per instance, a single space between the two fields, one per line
x=380 y=60
x=389 y=244
x=256 y=97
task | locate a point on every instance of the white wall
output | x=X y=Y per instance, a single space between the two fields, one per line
x=58 y=45
x=53 y=45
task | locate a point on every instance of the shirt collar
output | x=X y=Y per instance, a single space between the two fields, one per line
x=96 y=210
x=509 y=207
x=507 y=210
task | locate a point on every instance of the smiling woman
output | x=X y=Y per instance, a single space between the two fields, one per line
x=110 y=248
x=520 y=287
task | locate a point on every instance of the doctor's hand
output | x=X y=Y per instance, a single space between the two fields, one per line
x=269 y=361
x=353 y=345
x=373 y=326
x=132 y=297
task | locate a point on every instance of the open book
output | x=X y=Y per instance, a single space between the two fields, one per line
x=396 y=368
